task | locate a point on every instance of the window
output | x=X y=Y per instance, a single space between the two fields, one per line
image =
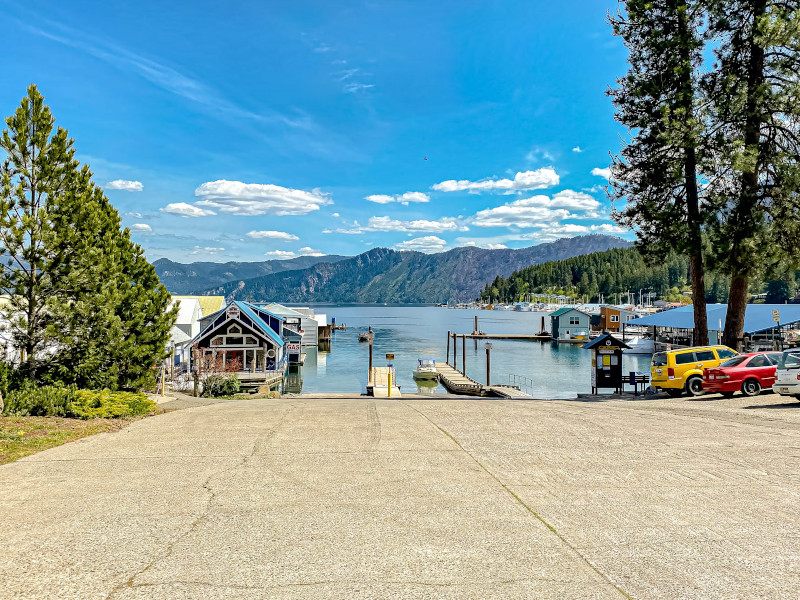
x=703 y=355
x=234 y=341
x=250 y=341
x=774 y=357
x=574 y=321
x=733 y=362
x=684 y=359
x=789 y=360
x=759 y=361
x=660 y=359
x=216 y=341
x=234 y=329
x=615 y=318
x=725 y=353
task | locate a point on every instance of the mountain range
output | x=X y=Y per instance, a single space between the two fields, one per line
x=380 y=275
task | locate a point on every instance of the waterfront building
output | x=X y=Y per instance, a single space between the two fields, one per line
x=244 y=335
x=612 y=318
x=567 y=323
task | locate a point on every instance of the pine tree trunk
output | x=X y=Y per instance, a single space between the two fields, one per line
x=737 y=305
x=690 y=181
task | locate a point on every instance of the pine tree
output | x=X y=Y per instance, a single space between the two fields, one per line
x=656 y=174
x=85 y=306
x=755 y=95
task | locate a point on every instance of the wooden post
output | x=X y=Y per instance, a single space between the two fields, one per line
x=476 y=323
x=464 y=354
x=370 y=337
x=447 y=360
x=455 y=351
x=488 y=365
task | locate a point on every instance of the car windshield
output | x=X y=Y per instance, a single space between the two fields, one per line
x=660 y=359
x=789 y=360
x=734 y=362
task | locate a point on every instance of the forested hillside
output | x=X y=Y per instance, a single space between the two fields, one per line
x=615 y=271
x=384 y=275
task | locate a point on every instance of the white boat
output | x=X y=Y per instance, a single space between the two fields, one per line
x=426 y=369
x=639 y=345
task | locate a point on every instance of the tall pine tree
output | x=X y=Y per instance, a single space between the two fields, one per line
x=755 y=94
x=84 y=306
x=656 y=174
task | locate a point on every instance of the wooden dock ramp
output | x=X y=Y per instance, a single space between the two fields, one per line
x=455 y=382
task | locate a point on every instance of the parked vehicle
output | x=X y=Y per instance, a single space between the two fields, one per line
x=787 y=376
x=679 y=371
x=749 y=373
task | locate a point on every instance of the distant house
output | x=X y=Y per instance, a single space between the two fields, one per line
x=299 y=320
x=208 y=304
x=612 y=318
x=568 y=322
x=242 y=334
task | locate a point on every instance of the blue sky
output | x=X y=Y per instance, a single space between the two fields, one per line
x=275 y=129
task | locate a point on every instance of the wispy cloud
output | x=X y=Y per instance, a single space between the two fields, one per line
x=602 y=172
x=524 y=180
x=272 y=235
x=403 y=199
x=428 y=244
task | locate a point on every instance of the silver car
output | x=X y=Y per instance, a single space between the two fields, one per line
x=787 y=375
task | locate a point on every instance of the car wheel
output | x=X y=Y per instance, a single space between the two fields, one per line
x=751 y=387
x=674 y=393
x=694 y=387
x=727 y=394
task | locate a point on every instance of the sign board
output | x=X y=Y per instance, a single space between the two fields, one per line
x=293 y=347
x=233 y=312
x=607 y=350
x=776 y=316
x=390 y=357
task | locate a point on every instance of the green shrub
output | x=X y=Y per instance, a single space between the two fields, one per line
x=44 y=401
x=105 y=404
x=220 y=386
x=60 y=401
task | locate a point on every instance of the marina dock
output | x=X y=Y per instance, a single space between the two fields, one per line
x=538 y=337
x=455 y=382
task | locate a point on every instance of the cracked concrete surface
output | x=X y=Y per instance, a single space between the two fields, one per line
x=363 y=498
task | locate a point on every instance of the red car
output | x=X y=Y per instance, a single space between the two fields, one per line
x=749 y=373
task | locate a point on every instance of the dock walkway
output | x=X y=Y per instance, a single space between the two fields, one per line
x=455 y=382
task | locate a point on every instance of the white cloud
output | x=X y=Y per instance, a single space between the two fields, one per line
x=272 y=235
x=124 y=184
x=438 y=226
x=252 y=199
x=602 y=172
x=206 y=250
x=496 y=246
x=537 y=154
x=354 y=88
x=335 y=215
x=281 y=254
x=577 y=149
x=134 y=215
x=308 y=251
x=186 y=210
x=428 y=244
x=524 y=180
x=141 y=228
x=538 y=210
x=401 y=198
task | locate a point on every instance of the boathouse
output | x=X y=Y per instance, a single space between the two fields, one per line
x=568 y=322
x=766 y=326
x=612 y=318
x=243 y=335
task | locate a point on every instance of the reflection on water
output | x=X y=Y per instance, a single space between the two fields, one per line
x=556 y=370
x=427 y=387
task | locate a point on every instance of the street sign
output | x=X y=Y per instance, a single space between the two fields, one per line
x=390 y=357
x=776 y=316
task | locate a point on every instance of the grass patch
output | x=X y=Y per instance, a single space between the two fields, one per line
x=21 y=436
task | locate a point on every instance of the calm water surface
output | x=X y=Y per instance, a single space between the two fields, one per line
x=410 y=332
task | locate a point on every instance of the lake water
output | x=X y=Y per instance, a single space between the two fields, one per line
x=412 y=332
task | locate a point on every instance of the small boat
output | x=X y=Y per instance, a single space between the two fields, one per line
x=426 y=369
x=640 y=345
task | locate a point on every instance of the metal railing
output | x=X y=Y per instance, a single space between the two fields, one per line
x=520 y=381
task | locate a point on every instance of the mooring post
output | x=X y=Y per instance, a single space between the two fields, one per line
x=455 y=351
x=488 y=363
x=476 y=324
x=370 y=337
x=464 y=355
x=448 y=348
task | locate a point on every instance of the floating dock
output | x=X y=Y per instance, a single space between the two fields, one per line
x=538 y=337
x=455 y=382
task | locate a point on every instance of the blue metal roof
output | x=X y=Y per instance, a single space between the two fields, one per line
x=251 y=312
x=757 y=317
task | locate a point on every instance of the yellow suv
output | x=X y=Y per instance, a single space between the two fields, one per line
x=676 y=371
